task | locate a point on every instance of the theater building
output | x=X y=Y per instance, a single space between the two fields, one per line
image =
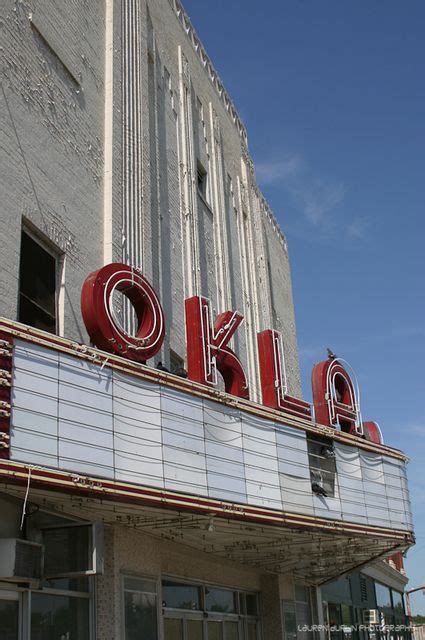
x=160 y=475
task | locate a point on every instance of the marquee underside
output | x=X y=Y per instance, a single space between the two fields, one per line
x=313 y=555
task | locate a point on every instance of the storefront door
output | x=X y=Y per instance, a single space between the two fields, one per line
x=9 y=615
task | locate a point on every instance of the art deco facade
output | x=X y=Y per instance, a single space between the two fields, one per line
x=136 y=502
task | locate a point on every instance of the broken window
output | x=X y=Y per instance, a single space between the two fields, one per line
x=321 y=458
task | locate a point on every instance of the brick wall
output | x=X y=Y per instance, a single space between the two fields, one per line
x=107 y=169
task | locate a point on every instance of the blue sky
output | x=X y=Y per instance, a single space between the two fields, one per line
x=333 y=96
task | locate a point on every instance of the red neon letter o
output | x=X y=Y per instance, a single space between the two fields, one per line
x=98 y=316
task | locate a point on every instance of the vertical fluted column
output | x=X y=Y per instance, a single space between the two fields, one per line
x=132 y=241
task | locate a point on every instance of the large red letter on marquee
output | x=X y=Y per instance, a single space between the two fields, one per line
x=207 y=349
x=98 y=314
x=273 y=376
x=334 y=397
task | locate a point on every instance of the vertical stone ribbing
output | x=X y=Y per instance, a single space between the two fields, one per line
x=220 y=226
x=249 y=281
x=188 y=183
x=132 y=217
x=108 y=133
x=132 y=241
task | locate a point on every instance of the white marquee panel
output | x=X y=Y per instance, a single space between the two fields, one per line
x=77 y=416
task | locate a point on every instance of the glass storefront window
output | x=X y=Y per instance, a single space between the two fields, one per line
x=173 y=629
x=384 y=604
x=301 y=594
x=56 y=616
x=9 y=619
x=194 y=629
x=215 y=631
x=134 y=583
x=232 y=630
x=347 y=621
x=181 y=596
x=251 y=604
x=140 y=609
x=398 y=607
x=220 y=600
x=140 y=616
x=302 y=613
x=289 y=620
x=69 y=584
x=220 y=613
x=383 y=596
x=334 y=619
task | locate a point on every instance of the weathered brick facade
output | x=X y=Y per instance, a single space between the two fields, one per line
x=109 y=111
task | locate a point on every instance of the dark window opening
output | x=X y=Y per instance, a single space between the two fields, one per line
x=203 y=598
x=37 y=285
x=59 y=616
x=321 y=459
x=181 y=596
x=202 y=180
x=220 y=600
x=177 y=365
x=67 y=550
